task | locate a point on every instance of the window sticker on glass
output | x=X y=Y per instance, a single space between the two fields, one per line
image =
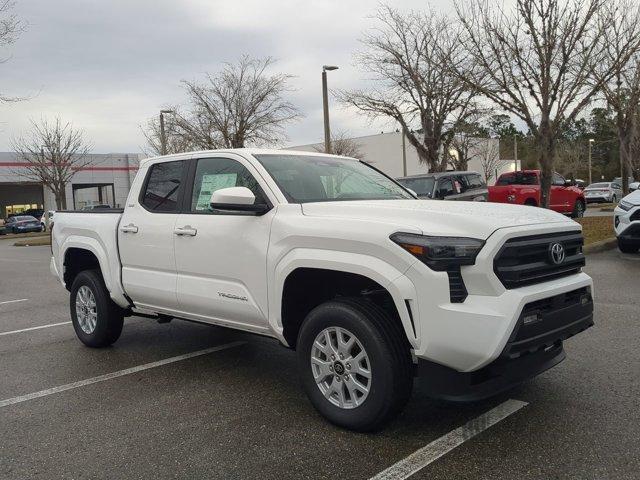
x=211 y=183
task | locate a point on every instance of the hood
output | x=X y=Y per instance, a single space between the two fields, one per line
x=633 y=198
x=438 y=217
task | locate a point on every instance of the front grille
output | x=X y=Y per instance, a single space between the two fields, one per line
x=527 y=260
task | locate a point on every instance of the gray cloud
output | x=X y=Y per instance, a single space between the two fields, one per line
x=109 y=65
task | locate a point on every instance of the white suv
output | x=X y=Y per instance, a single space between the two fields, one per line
x=627 y=223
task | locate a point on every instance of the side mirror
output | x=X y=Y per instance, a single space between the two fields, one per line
x=237 y=199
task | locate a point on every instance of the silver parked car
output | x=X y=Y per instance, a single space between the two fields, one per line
x=603 y=192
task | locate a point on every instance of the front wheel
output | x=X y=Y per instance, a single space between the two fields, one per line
x=628 y=247
x=355 y=363
x=578 y=209
x=96 y=319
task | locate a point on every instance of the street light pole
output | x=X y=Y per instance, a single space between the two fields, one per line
x=591 y=140
x=325 y=107
x=163 y=135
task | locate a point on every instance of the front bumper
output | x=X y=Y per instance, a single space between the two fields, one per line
x=534 y=346
x=625 y=224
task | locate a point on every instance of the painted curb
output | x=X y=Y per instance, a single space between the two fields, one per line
x=601 y=246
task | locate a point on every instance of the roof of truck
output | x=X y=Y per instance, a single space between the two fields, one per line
x=242 y=152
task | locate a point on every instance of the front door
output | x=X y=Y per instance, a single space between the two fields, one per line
x=560 y=196
x=145 y=237
x=221 y=256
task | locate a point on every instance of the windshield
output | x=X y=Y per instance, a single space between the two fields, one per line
x=306 y=178
x=422 y=186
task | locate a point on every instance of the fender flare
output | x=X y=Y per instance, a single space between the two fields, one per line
x=394 y=281
x=110 y=269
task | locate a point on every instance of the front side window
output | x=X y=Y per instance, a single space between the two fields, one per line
x=163 y=187
x=558 y=180
x=215 y=173
x=307 y=178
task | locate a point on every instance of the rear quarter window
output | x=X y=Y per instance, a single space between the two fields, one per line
x=163 y=186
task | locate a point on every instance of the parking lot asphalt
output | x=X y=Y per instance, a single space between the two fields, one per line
x=240 y=412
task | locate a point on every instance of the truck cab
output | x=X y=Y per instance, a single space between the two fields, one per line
x=523 y=188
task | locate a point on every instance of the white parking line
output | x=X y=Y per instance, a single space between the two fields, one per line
x=14 y=301
x=119 y=373
x=33 y=328
x=443 y=445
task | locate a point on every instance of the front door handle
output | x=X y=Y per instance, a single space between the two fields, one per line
x=187 y=231
x=131 y=228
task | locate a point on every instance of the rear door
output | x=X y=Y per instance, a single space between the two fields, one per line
x=145 y=237
x=221 y=259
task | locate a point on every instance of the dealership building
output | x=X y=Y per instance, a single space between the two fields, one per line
x=106 y=181
x=396 y=157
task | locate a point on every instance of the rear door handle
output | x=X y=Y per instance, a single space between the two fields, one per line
x=131 y=228
x=187 y=231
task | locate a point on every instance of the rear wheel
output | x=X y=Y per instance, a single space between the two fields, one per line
x=578 y=209
x=355 y=363
x=628 y=247
x=96 y=319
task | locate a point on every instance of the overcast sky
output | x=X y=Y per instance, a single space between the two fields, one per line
x=107 y=66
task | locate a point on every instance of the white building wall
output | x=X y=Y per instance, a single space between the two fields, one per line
x=384 y=151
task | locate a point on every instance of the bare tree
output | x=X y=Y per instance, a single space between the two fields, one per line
x=487 y=151
x=241 y=105
x=622 y=91
x=52 y=152
x=177 y=140
x=407 y=56
x=342 y=144
x=10 y=29
x=537 y=61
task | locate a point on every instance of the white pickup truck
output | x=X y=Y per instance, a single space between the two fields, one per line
x=368 y=284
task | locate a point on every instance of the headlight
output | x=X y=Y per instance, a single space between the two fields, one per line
x=626 y=206
x=440 y=253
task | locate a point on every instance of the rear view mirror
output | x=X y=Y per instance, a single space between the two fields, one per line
x=237 y=199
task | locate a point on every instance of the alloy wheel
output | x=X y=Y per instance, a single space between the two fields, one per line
x=341 y=367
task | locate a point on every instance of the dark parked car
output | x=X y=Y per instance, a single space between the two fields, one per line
x=22 y=224
x=448 y=186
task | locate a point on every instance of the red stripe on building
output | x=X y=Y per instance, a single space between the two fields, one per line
x=83 y=169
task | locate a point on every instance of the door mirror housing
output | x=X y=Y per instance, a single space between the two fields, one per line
x=237 y=199
x=411 y=192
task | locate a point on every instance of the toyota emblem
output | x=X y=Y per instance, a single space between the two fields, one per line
x=556 y=253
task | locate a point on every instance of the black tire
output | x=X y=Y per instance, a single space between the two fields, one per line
x=110 y=317
x=628 y=247
x=391 y=365
x=14 y=230
x=578 y=209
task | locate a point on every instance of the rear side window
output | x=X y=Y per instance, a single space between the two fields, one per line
x=474 y=181
x=163 y=186
x=518 y=178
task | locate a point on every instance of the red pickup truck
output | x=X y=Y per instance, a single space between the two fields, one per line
x=523 y=188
